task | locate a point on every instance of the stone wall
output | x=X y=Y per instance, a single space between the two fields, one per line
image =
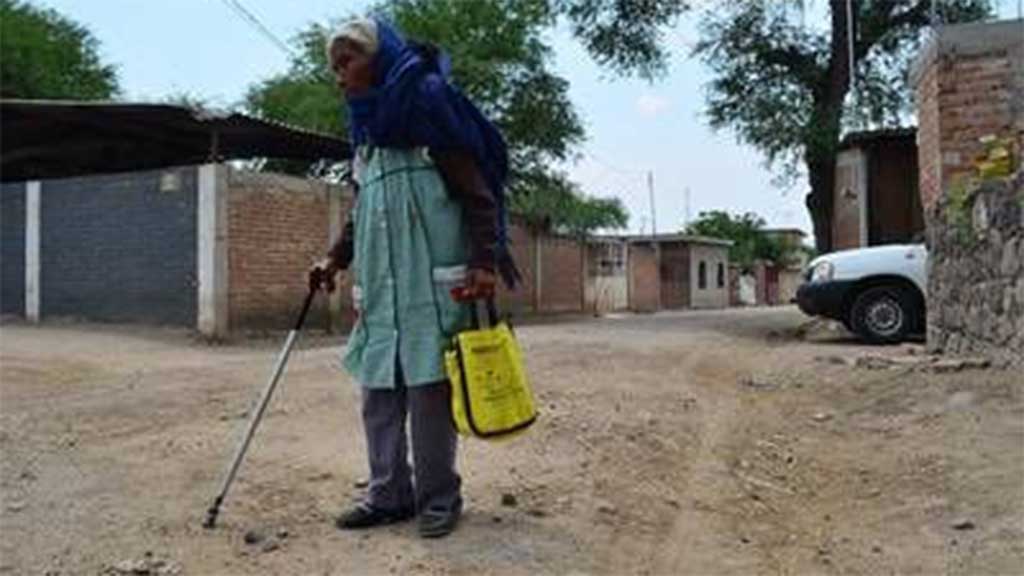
x=976 y=276
x=970 y=88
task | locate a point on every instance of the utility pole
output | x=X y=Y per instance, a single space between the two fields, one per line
x=650 y=190
x=688 y=220
x=849 y=39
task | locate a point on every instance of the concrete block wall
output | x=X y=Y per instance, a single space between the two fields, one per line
x=849 y=227
x=277 y=226
x=713 y=295
x=120 y=248
x=12 y=248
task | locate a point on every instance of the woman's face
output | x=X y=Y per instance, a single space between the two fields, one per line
x=352 y=67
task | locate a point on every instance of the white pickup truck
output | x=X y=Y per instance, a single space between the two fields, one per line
x=877 y=293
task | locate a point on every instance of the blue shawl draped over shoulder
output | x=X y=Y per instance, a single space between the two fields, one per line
x=414 y=104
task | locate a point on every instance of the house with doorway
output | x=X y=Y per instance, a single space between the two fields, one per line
x=787 y=275
x=676 y=271
x=606 y=286
x=875 y=197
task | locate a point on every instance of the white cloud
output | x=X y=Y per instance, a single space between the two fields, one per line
x=651 y=105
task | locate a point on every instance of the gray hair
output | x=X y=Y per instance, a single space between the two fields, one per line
x=361 y=31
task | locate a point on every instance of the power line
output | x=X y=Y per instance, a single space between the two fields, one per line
x=250 y=18
x=599 y=160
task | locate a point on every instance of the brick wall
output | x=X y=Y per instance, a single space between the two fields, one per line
x=929 y=163
x=970 y=84
x=523 y=247
x=120 y=248
x=12 y=248
x=644 y=278
x=562 y=274
x=277 y=227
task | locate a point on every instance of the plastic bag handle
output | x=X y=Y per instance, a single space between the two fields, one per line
x=492 y=312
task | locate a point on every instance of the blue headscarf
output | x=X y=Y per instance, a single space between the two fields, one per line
x=414 y=104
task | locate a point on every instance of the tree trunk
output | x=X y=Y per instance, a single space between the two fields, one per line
x=821 y=174
x=823 y=141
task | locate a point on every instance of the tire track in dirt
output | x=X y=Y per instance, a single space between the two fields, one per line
x=700 y=533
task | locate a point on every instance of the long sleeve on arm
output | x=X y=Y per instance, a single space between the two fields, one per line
x=466 y=184
x=344 y=247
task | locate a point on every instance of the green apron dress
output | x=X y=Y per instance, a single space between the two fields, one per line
x=410 y=250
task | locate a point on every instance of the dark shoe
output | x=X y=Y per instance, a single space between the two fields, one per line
x=434 y=524
x=366 y=516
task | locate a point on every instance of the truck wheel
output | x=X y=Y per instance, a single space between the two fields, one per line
x=883 y=315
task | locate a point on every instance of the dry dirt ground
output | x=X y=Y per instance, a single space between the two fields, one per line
x=699 y=443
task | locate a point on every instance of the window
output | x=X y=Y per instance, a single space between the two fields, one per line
x=702 y=276
x=721 y=275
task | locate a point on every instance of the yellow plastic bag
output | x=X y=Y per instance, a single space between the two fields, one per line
x=491 y=397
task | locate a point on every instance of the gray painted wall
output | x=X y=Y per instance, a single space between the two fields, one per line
x=12 y=248
x=120 y=248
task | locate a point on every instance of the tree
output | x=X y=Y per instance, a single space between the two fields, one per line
x=783 y=87
x=46 y=55
x=553 y=202
x=623 y=35
x=499 y=59
x=746 y=231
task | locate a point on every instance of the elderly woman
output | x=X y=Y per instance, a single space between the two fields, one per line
x=429 y=219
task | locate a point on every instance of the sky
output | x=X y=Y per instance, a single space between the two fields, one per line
x=634 y=128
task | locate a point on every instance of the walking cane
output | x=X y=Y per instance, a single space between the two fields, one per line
x=211 y=514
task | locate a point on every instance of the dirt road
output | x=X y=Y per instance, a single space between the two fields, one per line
x=697 y=443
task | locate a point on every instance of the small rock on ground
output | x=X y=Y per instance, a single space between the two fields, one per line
x=963 y=524
x=148 y=566
x=874 y=362
x=833 y=359
x=509 y=500
x=271 y=545
x=253 y=537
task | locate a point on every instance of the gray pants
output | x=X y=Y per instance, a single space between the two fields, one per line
x=437 y=484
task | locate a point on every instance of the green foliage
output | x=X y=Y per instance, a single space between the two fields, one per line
x=552 y=202
x=48 y=56
x=959 y=203
x=782 y=86
x=500 y=60
x=746 y=231
x=186 y=99
x=624 y=35
x=305 y=95
x=773 y=76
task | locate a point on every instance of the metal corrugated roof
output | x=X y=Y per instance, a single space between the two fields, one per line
x=856 y=139
x=685 y=238
x=58 y=139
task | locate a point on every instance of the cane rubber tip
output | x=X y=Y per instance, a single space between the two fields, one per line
x=211 y=521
